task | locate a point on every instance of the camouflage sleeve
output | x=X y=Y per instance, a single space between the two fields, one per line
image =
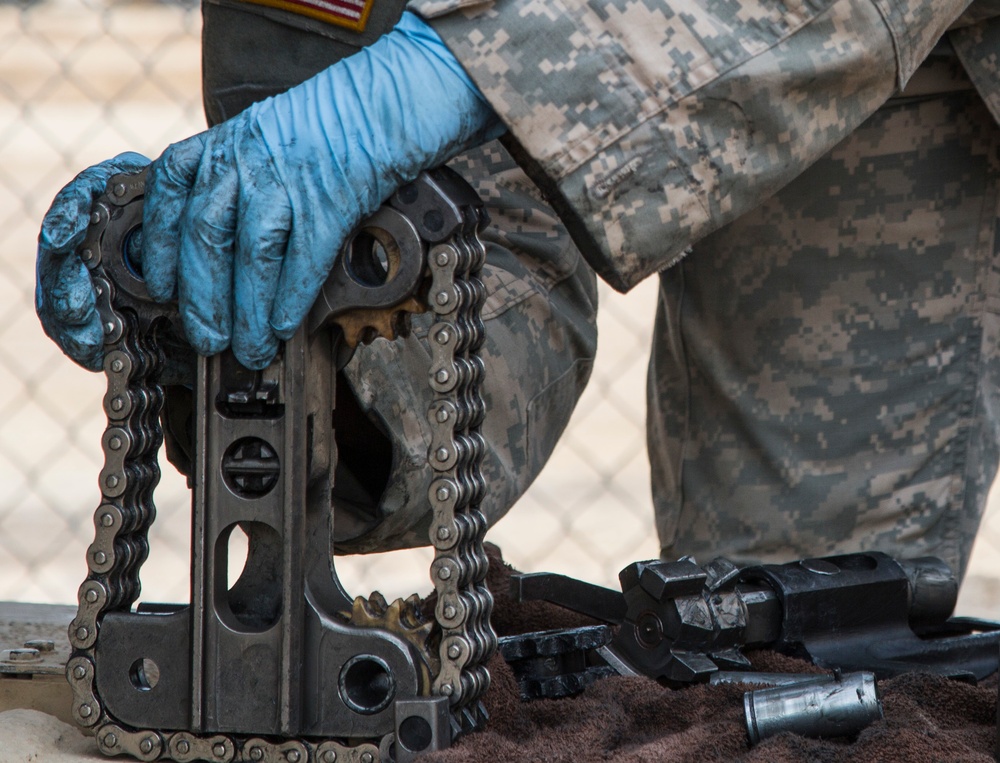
x=651 y=123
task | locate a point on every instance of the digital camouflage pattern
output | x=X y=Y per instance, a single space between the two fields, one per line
x=826 y=373
x=825 y=366
x=654 y=122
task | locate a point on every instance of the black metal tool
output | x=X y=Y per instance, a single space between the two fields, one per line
x=679 y=622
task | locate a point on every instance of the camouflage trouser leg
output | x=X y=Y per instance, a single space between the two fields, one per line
x=540 y=342
x=825 y=370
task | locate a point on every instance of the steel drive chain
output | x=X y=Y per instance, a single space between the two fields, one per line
x=131 y=443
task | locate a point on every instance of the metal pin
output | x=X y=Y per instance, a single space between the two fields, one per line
x=454 y=651
x=82 y=633
x=80 y=672
x=100 y=557
x=256 y=753
x=444 y=573
x=220 y=750
x=110 y=741
x=442 y=376
x=86 y=711
x=87 y=255
x=444 y=533
x=442 y=298
x=442 y=415
x=292 y=756
x=112 y=481
x=443 y=337
x=115 y=443
x=441 y=454
x=107 y=520
x=450 y=612
x=109 y=327
x=117 y=404
x=95 y=218
x=443 y=494
x=120 y=189
x=184 y=747
x=442 y=258
x=91 y=595
x=117 y=366
x=146 y=745
x=329 y=756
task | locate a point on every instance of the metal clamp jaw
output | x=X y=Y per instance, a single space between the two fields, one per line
x=279 y=664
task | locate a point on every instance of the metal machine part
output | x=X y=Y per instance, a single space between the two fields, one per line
x=836 y=706
x=557 y=663
x=281 y=664
x=681 y=623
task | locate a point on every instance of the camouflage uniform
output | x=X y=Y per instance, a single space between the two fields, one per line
x=825 y=362
x=822 y=373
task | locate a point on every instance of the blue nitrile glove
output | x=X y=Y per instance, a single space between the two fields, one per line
x=64 y=294
x=243 y=222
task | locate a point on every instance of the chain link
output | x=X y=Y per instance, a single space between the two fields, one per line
x=122 y=520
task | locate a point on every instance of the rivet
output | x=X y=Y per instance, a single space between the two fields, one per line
x=117 y=366
x=91 y=595
x=120 y=189
x=95 y=218
x=442 y=258
x=330 y=756
x=86 y=711
x=444 y=573
x=184 y=747
x=146 y=745
x=454 y=651
x=107 y=520
x=109 y=327
x=292 y=756
x=98 y=289
x=115 y=443
x=441 y=454
x=256 y=753
x=80 y=672
x=86 y=255
x=110 y=741
x=442 y=297
x=444 y=533
x=220 y=750
x=450 y=612
x=442 y=415
x=100 y=557
x=367 y=757
x=443 y=494
x=117 y=404
x=442 y=337
x=447 y=689
x=82 y=633
x=442 y=376
x=112 y=481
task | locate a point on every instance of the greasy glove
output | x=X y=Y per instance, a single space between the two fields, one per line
x=64 y=294
x=243 y=222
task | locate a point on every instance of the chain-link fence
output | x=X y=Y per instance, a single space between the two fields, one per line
x=81 y=80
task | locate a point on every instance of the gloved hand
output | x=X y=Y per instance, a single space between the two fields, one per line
x=64 y=294
x=243 y=222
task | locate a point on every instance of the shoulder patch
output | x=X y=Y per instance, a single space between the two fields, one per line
x=352 y=14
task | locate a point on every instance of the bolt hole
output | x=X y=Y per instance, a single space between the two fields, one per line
x=132 y=252
x=144 y=674
x=415 y=734
x=372 y=257
x=366 y=684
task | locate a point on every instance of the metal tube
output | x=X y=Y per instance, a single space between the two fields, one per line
x=837 y=707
